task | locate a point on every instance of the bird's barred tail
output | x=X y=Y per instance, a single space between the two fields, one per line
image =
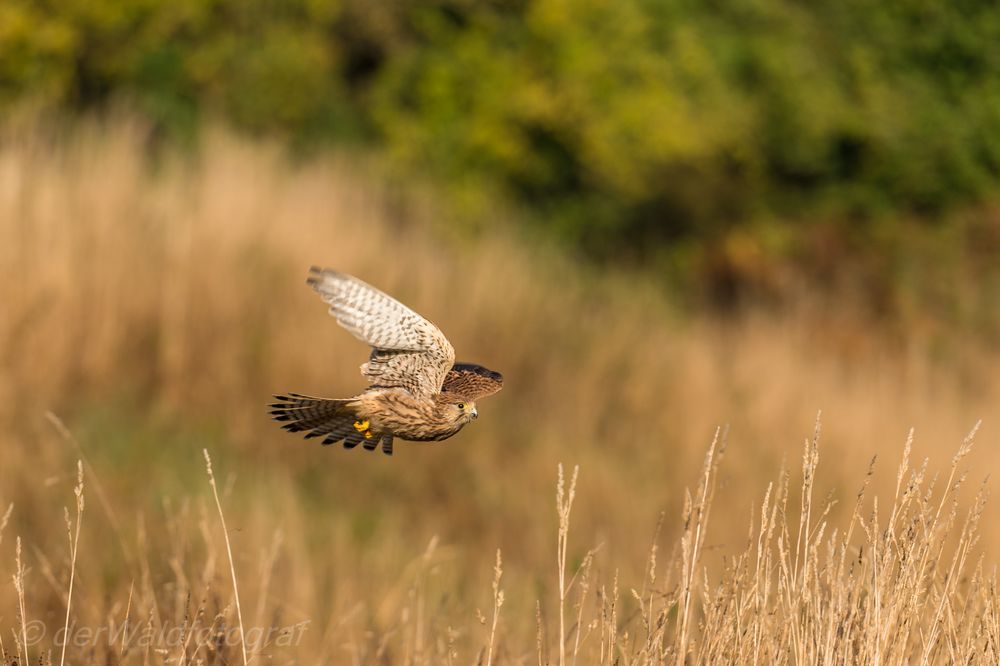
x=333 y=420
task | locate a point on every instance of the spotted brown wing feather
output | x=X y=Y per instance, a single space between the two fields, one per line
x=472 y=381
x=407 y=350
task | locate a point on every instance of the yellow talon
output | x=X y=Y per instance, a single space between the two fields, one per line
x=363 y=428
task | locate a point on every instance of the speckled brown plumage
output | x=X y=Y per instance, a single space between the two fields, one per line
x=417 y=392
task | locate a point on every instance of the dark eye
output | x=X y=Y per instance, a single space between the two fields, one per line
x=461 y=405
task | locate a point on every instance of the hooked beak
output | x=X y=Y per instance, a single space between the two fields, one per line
x=474 y=413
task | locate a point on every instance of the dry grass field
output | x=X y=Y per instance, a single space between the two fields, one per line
x=150 y=307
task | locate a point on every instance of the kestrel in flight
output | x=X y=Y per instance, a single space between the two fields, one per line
x=417 y=392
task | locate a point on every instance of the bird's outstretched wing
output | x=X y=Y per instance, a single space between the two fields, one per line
x=407 y=350
x=471 y=381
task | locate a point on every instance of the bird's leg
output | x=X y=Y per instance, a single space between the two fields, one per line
x=363 y=427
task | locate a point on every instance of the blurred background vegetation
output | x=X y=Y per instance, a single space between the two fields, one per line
x=738 y=149
x=654 y=217
x=155 y=306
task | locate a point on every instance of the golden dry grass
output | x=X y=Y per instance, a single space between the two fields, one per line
x=154 y=305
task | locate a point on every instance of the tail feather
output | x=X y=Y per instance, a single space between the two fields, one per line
x=301 y=412
x=318 y=417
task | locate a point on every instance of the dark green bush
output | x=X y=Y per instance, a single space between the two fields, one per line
x=626 y=127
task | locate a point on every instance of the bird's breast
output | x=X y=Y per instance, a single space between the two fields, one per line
x=398 y=412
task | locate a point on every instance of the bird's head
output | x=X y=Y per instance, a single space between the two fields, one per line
x=466 y=410
x=459 y=409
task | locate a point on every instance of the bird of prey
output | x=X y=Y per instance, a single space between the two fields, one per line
x=417 y=392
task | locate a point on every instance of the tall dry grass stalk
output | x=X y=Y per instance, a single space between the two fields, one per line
x=73 y=533
x=564 y=505
x=18 y=579
x=498 y=597
x=229 y=554
x=5 y=519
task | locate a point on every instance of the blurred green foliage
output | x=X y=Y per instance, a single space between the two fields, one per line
x=626 y=126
